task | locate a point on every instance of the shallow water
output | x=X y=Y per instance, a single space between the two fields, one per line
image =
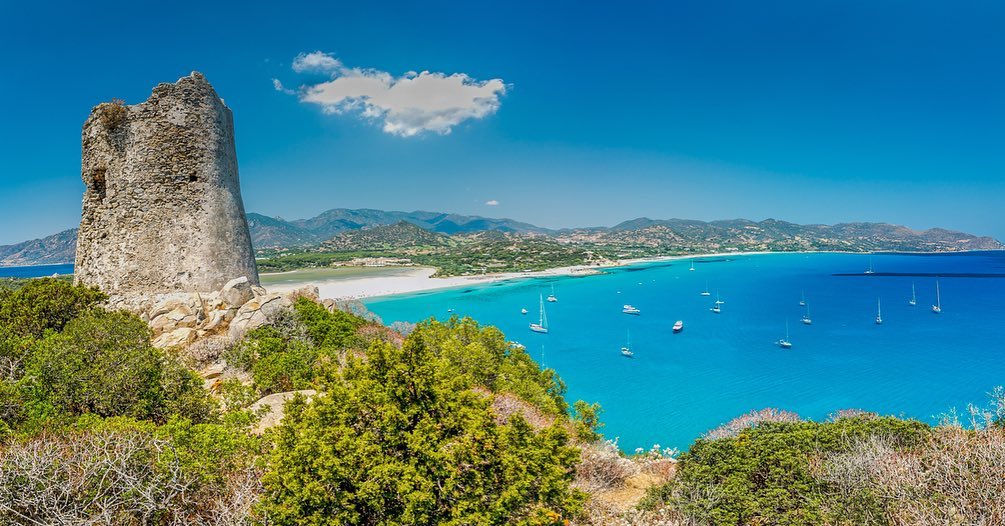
x=915 y=364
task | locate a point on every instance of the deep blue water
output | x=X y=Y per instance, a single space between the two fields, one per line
x=37 y=271
x=915 y=364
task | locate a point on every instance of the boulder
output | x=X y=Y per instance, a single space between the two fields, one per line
x=175 y=338
x=216 y=318
x=274 y=408
x=237 y=292
x=257 y=312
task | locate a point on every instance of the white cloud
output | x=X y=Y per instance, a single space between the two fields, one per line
x=408 y=105
x=492 y=202
x=316 y=61
x=280 y=88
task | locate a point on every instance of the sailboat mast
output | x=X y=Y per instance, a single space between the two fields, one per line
x=540 y=315
x=938 y=296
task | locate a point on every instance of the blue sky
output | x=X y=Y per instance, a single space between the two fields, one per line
x=568 y=114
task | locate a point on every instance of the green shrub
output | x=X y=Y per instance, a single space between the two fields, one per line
x=482 y=353
x=401 y=438
x=102 y=363
x=42 y=304
x=764 y=474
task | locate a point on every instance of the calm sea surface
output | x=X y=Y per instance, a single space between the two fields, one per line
x=917 y=363
x=37 y=271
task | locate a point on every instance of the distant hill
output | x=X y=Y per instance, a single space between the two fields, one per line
x=385 y=237
x=336 y=220
x=772 y=234
x=55 y=249
x=274 y=232
x=641 y=236
x=269 y=232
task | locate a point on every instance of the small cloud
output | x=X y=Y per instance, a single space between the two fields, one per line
x=492 y=202
x=280 y=88
x=316 y=62
x=408 y=105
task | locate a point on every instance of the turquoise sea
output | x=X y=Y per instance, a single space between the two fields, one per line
x=916 y=364
x=36 y=271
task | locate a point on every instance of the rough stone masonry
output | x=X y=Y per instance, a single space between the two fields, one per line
x=162 y=210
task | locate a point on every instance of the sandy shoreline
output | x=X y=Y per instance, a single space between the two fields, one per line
x=389 y=281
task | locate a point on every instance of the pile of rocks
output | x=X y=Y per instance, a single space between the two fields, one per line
x=180 y=318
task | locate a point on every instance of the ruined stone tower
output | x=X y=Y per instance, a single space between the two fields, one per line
x=162 y=210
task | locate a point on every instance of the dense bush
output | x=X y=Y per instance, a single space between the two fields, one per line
x=764 y=474
x=42 y=304
x=293 y=351
x=400 y=437
x=34 y=307
x=482 y=353
x=102 y=363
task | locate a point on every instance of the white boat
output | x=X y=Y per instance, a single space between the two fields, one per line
x=706 y=292
x=542 y=323
x=784 y=342
x=626 y=351
x=678 y=326
x=628 y=309
x=914 y=297
x=523 y=311
x=802 y=298
x=518 y=345
x=937 y=308
x=879 y=313
x=870 y=266
x=806 y=316
x=692 y=266
x=716 y=308
x=551 y=297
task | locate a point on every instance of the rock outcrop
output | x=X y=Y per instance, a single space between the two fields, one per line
x=162 y=210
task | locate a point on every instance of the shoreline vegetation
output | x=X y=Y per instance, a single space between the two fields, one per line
x=397 y=280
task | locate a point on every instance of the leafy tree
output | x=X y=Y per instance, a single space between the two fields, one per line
x=401 y=438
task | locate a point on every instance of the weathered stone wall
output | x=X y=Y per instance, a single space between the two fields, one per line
x=162 y=210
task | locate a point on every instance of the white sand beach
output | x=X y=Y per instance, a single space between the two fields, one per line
x=358 y=283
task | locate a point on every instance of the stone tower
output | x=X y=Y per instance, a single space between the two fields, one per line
x=162 y=210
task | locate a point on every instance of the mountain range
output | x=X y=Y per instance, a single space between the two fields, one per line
x=323 y=229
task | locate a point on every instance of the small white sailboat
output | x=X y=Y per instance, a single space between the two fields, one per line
x=706 y=292
x=914 y=297
x=802 y=298
x=542 y=323
x=628 y=309
x=692 y=266
x=806 y=316
x=678 y=326
x=716 y=308
x=551 y=297
x=879 y=312
x=870 y=266
x=626 y=351
x=937 y=308
x=784 y=343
